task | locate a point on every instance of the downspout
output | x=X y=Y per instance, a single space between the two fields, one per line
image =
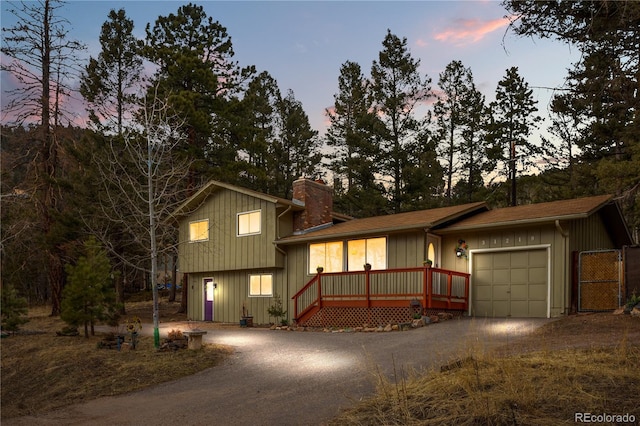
x=567 y=276
x=284 y=253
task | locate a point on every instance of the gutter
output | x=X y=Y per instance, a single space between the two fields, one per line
x=513 y=223
x=565 y=269
x=275 y=243
x=564 y=233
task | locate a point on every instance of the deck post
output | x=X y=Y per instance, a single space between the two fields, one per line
x=367 y=284
x=429 y=282
x=449 y=283
x=466 y=293
x=319 y=291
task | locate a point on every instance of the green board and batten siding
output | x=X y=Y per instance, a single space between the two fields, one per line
x=509 y=266
x=229 y=259
x=225 y=250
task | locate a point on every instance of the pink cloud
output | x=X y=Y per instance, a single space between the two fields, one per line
x=469 y=31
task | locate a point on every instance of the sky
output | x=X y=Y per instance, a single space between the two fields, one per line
x=302 y=44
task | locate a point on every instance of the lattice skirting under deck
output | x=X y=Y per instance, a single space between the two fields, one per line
x=358 y=317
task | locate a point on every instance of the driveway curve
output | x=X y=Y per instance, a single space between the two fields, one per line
x=289 y=378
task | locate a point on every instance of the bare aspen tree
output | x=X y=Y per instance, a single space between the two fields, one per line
x=143 y=181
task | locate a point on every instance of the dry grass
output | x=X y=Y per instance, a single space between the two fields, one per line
x=42 y=372
x=532 y=387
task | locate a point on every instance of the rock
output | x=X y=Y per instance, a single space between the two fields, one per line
x=358 y=329
x=273 y=327
x=417 y=323
x=434 y=318
x=445 y=316
x=388 y=327
x=635 y=312
x=619 y=311
x=395 y=327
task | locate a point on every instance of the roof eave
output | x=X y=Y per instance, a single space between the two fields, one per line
x=522 y=222
x=422 y=226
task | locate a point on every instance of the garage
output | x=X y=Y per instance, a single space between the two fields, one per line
x=510 y=283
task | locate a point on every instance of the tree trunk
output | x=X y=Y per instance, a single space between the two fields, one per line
x=174 y=278
x=185 y=293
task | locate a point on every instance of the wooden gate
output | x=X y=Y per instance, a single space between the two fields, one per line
x=600 y=283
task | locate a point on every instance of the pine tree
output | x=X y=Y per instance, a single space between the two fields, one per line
x=398 y=90
x=256 y=131
x=89 y=296
x=43 y=58
x=473 y=153
x=295 y=152
x=460 y=116
x=196 y=72
x=14 y=308
x=511 y=126
x=602 y=98
x=109 y=82
x=354 y=138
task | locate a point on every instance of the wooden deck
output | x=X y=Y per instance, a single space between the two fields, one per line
x=379 y=294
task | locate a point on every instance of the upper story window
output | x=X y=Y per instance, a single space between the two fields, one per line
x=199 y=230
x=249 y=223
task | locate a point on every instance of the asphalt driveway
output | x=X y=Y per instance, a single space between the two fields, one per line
x=290 y=378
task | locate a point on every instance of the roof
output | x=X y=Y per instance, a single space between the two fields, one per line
x=201 y=195
x=534 y=213
x=422 y=219
x=579 y=208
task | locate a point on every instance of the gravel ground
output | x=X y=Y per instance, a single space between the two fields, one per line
x=287 y=377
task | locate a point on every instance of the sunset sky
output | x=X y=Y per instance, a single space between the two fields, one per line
x=302 y=44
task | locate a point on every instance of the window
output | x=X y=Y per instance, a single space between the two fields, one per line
x=260 y=285
x=327 y=255
x=199 y=230
x=371 y=250
x=249 y=223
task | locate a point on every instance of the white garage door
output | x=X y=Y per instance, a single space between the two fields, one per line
x=510 y=284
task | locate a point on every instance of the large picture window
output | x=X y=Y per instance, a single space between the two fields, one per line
x=199 y=230
x=326 y=255
x=260 y=285
x=249 y=223
x=371 y=250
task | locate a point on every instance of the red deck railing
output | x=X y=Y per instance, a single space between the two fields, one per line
x=432 y=287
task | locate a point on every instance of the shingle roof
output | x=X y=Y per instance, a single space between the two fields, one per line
x=388 y=223
x=541 y=212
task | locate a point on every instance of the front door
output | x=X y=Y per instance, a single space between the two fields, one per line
x=208 y=299
x=438 y=285
x=433 y=249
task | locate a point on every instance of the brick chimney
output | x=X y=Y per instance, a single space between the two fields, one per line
x=318 y=201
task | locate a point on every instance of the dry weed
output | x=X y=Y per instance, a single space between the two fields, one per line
x=42 y=371
x=531 y=388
